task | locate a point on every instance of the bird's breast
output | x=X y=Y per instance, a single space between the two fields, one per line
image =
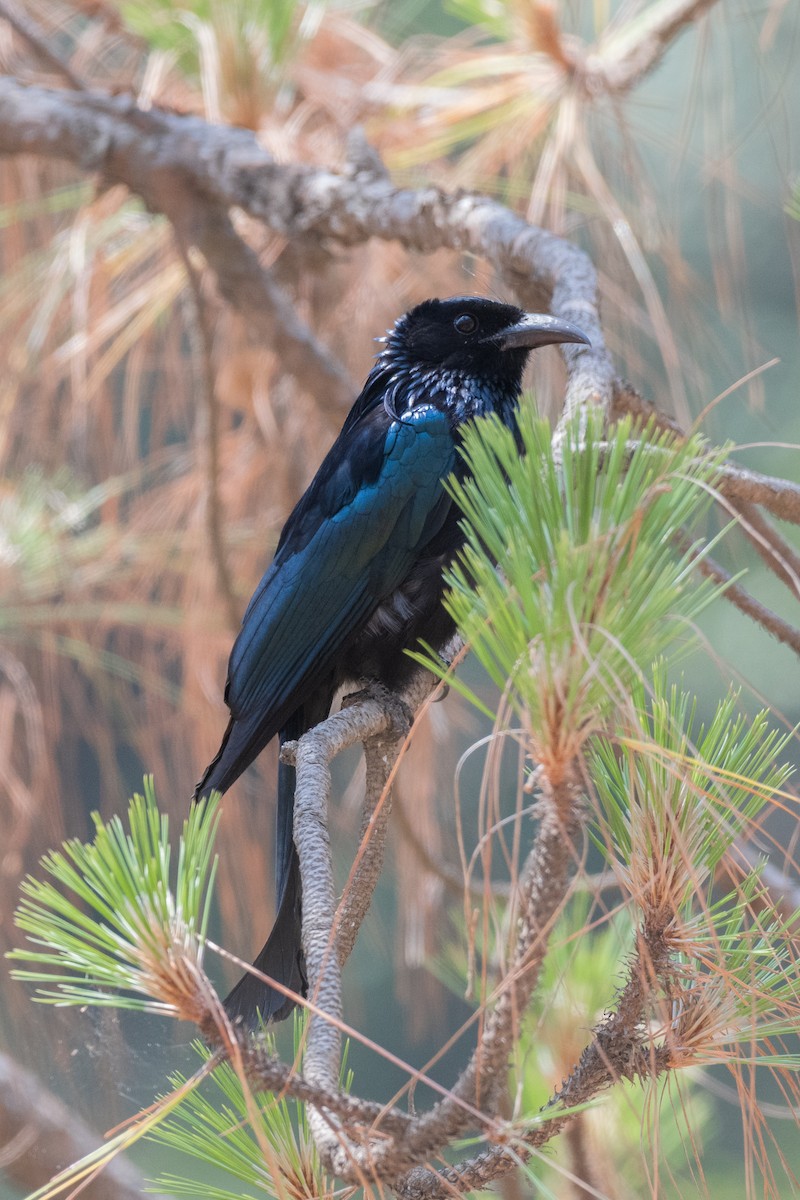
x=413 y=612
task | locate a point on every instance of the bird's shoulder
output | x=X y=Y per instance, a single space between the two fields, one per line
x=375 y=448
x=349 y=542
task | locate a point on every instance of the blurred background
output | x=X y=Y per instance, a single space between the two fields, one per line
x=151 y=448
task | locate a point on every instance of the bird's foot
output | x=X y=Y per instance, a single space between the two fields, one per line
x=395 y=707
x=288 y=753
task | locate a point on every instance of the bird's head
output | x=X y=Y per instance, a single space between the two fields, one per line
x=476 y=336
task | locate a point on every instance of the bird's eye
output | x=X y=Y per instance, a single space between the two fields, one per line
x=465 y=323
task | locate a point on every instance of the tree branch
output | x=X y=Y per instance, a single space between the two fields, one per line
x=620 y=1049
x=622 y=57
x=543 y=887
x=208 y=411
x=29 y=32
x=39 y=1136
x=781 y=497
x=165 y=156
x=373 y=719
x=381 y=754
x=758 y=612
x=267 y=1073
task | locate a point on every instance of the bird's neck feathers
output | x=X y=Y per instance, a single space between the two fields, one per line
x=460 y=393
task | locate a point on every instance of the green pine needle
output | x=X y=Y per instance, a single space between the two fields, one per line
x=677 y=794
x=259 y=1140
x=115 y=927
x=793 y=203
x=578 y=565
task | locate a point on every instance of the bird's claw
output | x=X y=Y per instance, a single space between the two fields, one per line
x=395 y=707
x=288 y=753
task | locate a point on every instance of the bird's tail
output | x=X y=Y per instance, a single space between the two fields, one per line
x=282 y=956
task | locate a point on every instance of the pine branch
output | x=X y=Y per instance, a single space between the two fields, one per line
x=29 y=32
x=622 y=58
x=175 y=161
x=208 y=410
x=619 y=1050
x=735 y=594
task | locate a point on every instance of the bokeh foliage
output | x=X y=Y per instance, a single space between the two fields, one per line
x=114 y=634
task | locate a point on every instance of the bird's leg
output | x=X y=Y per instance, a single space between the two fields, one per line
x=396 y=709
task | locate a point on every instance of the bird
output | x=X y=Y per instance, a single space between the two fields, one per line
x=357 y=575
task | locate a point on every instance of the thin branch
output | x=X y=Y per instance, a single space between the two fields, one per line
x=621 y=58
x=543 y=885
x=208 y=408
x=741 y=490
x=267 y=1073
x=26 y=29
x=620 y=1049
x=627 y=402
x=158 y=155
x=39 y=1136
x=781 y=558
x=372 y=720
x=758 y=612
x=381 y=753
x=781 y=497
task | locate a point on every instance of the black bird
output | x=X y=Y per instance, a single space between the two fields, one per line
x=357 y=573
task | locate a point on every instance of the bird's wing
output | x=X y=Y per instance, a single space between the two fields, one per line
x=325 y=580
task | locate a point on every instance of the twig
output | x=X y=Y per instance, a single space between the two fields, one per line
x=209 y=410
x=774 y=550
x=627 y=402
x=380 y=753
x=758 y=612
x=160 y=155
x=741 y=490
x=267 y=1073
x=372 y=721
x=40 y=1135
x=26 y=29
x=620 y=1049
x=617 y=63
x=781 y=497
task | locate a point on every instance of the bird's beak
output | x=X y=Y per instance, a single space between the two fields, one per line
x=540 y=329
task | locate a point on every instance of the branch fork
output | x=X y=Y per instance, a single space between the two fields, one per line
x=379 y=720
